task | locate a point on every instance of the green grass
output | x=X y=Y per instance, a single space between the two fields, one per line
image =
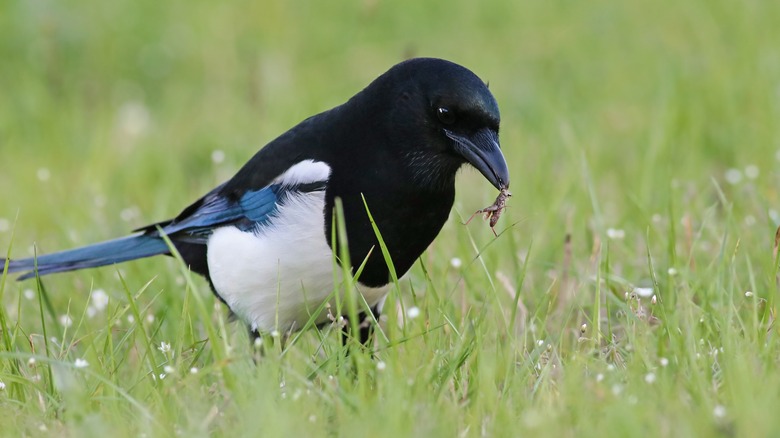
x=616 y=115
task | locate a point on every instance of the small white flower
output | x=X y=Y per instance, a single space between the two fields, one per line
x=672 y=272
x=130 y=319
x=599 y=377
x=194 y=370
x=719 y=411
x=275 y=333
x=615 y=233
x=162 y=376
x=66 y=321
x=616 y=389
x=150 y=318
x=164 y=347
x=169 y=369
x=133 y=119
x=312 y=418
x=5 y=224
x=258 y=342
x=217 y=156
x=81 y=363
x=610 y=367
x=733 y=176
x=99 y=201
x=663 y=361
x=29 y=294
x=2 y=385
x=413 y=312
x=43 y=174
x=653 y=300
x=99 y=299
x=31 y=361
x=748 y=294
x=649 y=378
x=456 y=262
x=91 y=312
x=129 y=213
x=540 y=342
x=752 y=171
x=644 y=292
x=381 y=366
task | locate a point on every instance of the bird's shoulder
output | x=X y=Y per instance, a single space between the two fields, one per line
x=309 y=141
x=293 y=162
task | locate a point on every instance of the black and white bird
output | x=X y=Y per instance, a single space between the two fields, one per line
x=263 y=238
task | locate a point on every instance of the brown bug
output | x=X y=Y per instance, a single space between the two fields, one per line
x=494 y=210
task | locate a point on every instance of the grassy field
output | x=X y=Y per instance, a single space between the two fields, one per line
x=632 y=290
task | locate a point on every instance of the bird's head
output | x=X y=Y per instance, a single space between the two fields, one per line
x=450 y=116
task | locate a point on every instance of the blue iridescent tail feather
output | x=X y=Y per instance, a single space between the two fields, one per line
x=92 y=256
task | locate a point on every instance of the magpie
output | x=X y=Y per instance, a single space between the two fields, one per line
x=263 y=238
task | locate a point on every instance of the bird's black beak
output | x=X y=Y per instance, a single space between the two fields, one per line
x=482 y=151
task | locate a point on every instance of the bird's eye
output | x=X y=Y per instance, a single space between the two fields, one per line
x=445 y=116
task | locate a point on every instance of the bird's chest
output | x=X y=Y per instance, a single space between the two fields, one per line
x=407 y=220
x=276 y=276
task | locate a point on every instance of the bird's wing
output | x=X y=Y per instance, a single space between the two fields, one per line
x=245 y=210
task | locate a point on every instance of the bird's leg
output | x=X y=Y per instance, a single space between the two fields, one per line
x=365 y=327
x=256 y=343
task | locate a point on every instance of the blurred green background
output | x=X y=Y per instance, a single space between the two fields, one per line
x=121 y=105
x=651 y=125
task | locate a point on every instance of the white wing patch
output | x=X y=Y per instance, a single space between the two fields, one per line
x=307 y=171
x=275 y=277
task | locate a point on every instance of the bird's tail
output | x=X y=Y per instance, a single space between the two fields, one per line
x=100 y=254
